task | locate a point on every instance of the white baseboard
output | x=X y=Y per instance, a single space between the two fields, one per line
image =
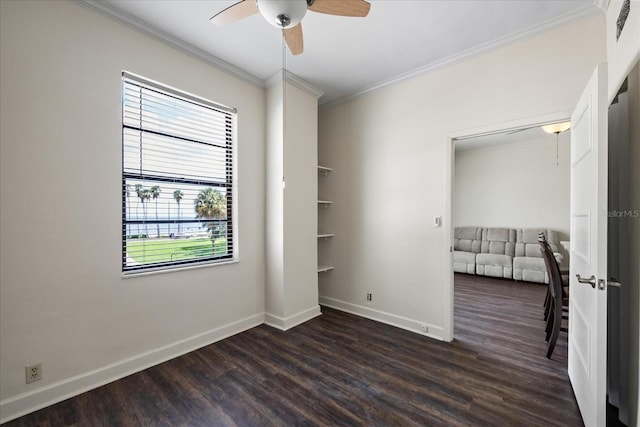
x=283 y=323
x=25 y=403
x=436 y=332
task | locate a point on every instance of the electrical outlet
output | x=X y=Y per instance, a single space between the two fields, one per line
x=33 y=373
x=425 y=329
x=369 y=297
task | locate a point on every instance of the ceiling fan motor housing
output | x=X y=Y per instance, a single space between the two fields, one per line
x=282 y=13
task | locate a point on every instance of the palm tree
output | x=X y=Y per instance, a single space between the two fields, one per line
x=177 y=195
x=154 y=192
x=211 y=204
x=169 y=219
x=144 y=194
x=138 y=189
x=145 y=208
x=127 y=190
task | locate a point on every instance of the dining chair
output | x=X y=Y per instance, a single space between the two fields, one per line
x=557 y=296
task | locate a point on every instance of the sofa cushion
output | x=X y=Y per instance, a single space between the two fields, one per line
x=464 y=262
x=468 y=257
x=527 y=242
x=530 y=276
x=494 y=265
x=467 y=239
x=530 y=269
x=529 y=263
x=498 y=241
x=494 y=259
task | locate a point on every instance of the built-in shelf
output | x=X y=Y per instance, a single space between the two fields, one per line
x=325 y=246
x=324 y=268
x=325 y=235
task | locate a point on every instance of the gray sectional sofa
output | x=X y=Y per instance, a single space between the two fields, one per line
x=467 y=242
x=502 y=252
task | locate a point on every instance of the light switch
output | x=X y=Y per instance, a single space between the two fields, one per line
x=437 y=221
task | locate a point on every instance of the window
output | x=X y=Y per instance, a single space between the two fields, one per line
x=177 y=178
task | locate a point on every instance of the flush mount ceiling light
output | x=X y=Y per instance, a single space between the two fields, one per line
x=282 y=13
x=557 y=128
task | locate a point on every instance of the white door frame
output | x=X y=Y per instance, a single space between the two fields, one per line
x=447 y=222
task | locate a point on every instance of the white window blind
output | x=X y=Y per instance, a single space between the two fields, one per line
x=177 y=177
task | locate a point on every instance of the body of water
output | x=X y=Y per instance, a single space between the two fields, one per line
x=166 y=229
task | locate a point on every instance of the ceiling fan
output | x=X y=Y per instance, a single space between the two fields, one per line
x=287 y=14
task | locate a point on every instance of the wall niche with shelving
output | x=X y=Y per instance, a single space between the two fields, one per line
x=325 y=235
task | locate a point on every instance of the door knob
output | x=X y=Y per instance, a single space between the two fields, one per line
x=591 y=280
x=613 y=282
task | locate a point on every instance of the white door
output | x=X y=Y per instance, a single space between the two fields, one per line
x=588 y=301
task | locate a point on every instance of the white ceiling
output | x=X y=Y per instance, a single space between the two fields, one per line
x=347 y=56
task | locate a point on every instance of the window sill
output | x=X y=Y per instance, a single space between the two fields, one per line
x=164 y=270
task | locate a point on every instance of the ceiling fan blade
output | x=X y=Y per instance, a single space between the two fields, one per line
x=235 y=12
x=293 y=36
x=341 y=7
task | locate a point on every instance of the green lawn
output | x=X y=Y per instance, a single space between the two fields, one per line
x=149 y=251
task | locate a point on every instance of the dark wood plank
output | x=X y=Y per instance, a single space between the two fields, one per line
x=343 y=370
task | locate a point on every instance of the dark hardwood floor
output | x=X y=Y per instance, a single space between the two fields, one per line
x=340 y=369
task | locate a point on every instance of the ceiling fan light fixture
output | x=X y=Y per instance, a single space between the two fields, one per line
x=282 y=13
x=557 y=127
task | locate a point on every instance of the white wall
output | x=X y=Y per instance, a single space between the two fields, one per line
x=514 y=185
x=292 y=281
x=389 y=152
x=300 y=198
x=622 y=53
x=63 y=301
x=274 y=293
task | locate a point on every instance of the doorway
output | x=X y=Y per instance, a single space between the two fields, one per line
x=492 y=153
x=518 y=179
x=504 y=128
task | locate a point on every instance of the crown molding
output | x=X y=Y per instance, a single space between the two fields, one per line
x=602 y=4
x=303 y=85
x=294 y=81
x=470 y=53
x=135 y=23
